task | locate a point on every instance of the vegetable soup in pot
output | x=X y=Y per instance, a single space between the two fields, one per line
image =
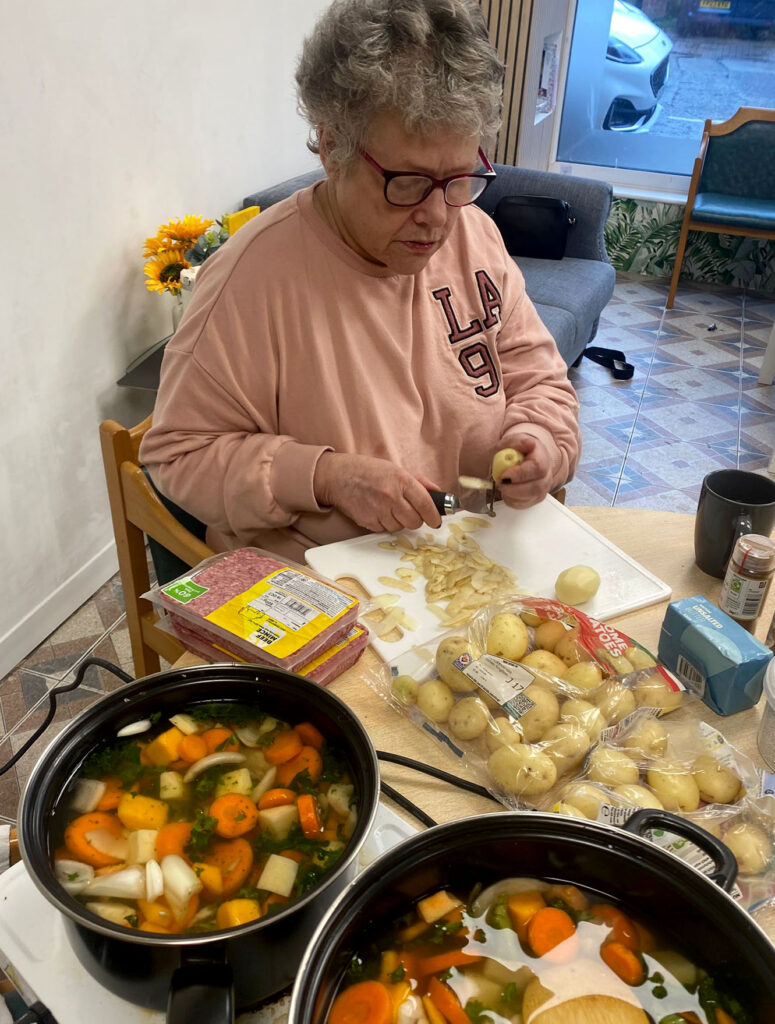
x=525 y=951
x=211 y=818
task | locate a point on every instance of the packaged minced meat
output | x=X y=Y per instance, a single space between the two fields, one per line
x=323 y=669
x=250 y=604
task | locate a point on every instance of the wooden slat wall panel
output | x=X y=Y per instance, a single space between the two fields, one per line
x=509 y=25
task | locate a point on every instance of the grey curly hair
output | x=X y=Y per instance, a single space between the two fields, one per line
x=430 y=60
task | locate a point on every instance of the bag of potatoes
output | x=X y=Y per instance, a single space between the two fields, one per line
x=524 y=691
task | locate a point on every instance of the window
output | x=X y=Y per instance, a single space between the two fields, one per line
x=642 y=78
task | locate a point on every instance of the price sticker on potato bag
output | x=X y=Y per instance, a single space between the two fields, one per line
x=500 y=679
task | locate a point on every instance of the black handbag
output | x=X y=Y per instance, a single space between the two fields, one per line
x=534 y=225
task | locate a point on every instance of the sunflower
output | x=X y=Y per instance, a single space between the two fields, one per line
x=183 y=232
x=163 y=271
x=154 y=245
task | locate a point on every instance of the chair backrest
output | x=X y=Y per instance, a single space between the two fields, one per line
x=740 y=155
x=138 y=511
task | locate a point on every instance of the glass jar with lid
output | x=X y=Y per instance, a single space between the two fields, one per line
x=748 y=578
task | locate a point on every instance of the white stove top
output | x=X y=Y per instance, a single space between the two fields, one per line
x=36 y=954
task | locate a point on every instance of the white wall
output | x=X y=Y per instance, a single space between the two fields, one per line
x=113 y=119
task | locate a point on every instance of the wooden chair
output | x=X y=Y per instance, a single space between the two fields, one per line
x=137 y=511
x=731 y=190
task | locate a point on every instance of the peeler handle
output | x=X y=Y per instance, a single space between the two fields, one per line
x=445 y=503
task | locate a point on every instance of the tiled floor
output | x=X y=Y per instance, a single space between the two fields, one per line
x=692 y=406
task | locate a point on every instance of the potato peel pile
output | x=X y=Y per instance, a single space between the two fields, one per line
x=459 y=577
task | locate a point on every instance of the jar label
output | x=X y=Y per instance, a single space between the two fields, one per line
x=742 y=597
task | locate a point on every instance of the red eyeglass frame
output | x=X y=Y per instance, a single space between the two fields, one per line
x=488 y=176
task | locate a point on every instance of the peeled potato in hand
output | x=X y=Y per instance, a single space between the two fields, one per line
x=577 y=584
x=505 y=459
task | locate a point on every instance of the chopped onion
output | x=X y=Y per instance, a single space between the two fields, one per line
x=249 y=734
x=104 y=842
x=209 y=761
x=266 y=783
x=187 y=725
x=88 y=793
x=154 y=880
x=135 y=728
x=73 y=875
x=180 y=884
x=116 y=913
x=128 y=883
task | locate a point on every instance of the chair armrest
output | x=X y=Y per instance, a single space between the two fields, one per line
x=590 y=203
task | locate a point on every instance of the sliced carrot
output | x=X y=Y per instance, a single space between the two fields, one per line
x=548 y=928
x=111 y=869
x=274 y=900
x=522 y=907
x=179 y=766
x=310 y=735
x=296 y=855
x=192 y=748
x=309 y=816
x=446 y=1002
x=722 y=1017
x=235 y=859
x=173 y=838
x=442 y=961
x=78 y=844
x=625 y=963
x=366 y=1002
x=111 y=798
x=622 y=928
x=284 y=747
x=308 y=759
x=413 y=931
x=276 y=798
x=220 y=740
x=235 y=815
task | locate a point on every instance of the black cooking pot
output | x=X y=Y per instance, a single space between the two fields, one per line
x=198 y=977
x=706 y=923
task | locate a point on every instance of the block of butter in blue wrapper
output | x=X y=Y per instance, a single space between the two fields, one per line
x=712 y=655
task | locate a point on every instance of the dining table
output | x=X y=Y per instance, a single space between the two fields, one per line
x=662 y=542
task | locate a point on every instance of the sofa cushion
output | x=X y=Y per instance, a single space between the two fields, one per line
x=562 y=327
x=580 y=287
x=267 y=197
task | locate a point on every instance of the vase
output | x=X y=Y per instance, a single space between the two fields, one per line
x=177 y=310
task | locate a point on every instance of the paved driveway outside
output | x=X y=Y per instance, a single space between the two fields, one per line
x=712 y=77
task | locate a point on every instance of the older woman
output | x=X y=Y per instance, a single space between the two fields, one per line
x=369 y=337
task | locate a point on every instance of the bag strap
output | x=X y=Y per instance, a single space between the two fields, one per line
x=612 y=359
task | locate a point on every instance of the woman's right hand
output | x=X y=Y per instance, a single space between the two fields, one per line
x=374 y=493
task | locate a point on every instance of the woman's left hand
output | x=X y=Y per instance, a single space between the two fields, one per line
x=528 y=483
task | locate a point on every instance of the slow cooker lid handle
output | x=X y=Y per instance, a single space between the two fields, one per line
x=726 y=866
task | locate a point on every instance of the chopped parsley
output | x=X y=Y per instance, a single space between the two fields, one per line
x=398 y=974
x=302 y=783
x=510 y=998
x=208 y=780
x=477 y=1012
x=133 y=920
x=122 y=760
x=226 y=713
x=441 y=930
x=201 y=833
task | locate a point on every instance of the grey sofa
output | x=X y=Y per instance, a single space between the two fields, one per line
x=570 y=293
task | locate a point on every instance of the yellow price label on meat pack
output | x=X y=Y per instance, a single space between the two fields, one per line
x=282 y=612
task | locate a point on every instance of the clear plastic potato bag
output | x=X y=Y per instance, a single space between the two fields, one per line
x=521 y=694
x=678 y=764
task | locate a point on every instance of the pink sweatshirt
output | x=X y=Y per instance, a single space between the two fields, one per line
x=293 y=345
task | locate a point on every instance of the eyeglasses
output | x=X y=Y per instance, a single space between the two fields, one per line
x=404 y=188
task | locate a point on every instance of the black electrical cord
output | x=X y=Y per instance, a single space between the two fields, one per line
x=407 y=804
x=52 y=702
x=437 y=773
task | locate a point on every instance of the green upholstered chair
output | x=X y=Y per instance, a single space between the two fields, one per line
x=732 y=190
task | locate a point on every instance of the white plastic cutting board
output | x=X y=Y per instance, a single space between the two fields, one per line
x=535 y=543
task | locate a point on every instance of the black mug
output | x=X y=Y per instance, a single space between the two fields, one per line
x=732 y=503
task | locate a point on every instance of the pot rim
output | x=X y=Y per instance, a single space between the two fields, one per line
x=122 y=697
x=502 y=820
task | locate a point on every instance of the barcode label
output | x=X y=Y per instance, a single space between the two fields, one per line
x=286 y=609
x=689 y=675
